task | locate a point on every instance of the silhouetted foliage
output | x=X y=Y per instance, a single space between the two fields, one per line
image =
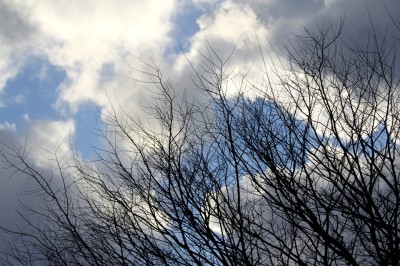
x=299 y=168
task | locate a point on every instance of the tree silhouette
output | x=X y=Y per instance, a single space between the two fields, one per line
x=301 y=167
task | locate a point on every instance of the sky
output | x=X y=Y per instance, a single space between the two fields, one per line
x=63 y=62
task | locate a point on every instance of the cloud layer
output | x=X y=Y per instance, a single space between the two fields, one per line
x=96 y=44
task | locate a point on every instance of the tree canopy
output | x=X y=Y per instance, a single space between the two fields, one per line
x=300 y=167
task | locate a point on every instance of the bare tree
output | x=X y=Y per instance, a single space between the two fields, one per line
x=301 y=168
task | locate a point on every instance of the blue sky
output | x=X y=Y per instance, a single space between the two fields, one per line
x=31 y=94
x=60 y=59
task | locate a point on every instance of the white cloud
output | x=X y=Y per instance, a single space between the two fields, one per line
x=43 y=72
x=46 y=137
x=205 y=3
x=19 y=98
x=7 y=126
x=8 y=71
x=242 y=21
x=81 y=37
x=230 y=27
x=16 y=35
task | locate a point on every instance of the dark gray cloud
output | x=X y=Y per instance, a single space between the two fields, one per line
x=359 y=17
x=283 y=19
x=15 y=28
x=13 y=187
x=290 y=17
x=37 y=144
x=270 y=11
